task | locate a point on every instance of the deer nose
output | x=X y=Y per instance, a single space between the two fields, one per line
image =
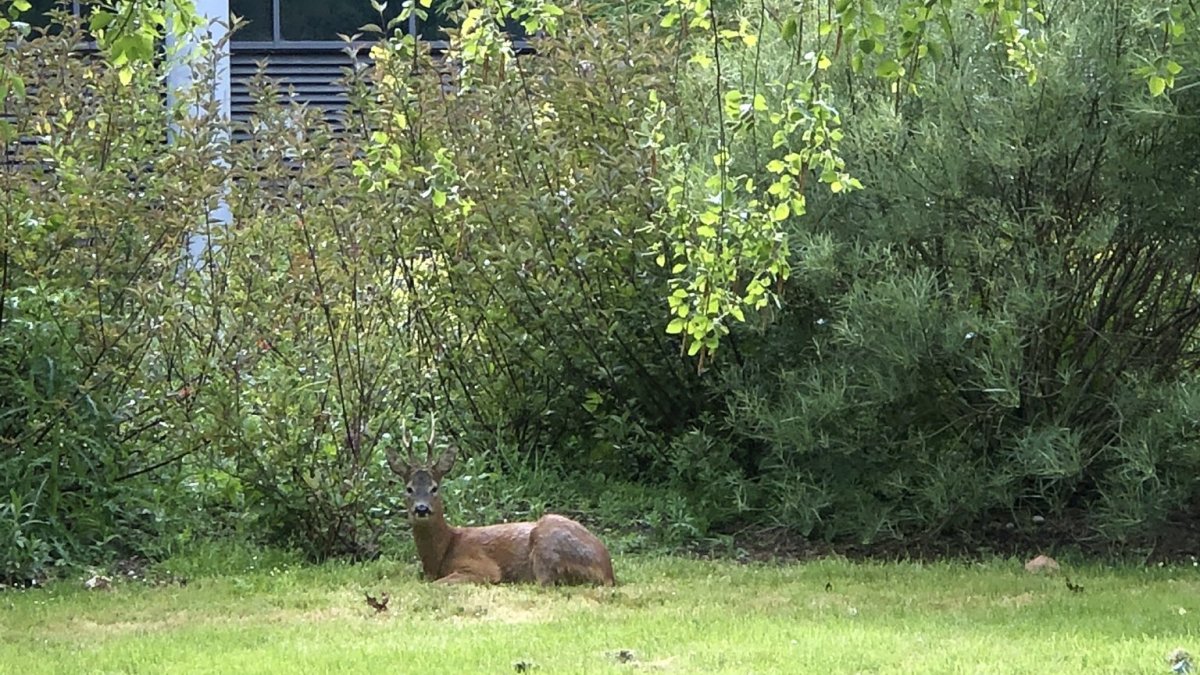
x=422 y=510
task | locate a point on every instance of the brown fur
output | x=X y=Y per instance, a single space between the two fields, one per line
x=554 y=550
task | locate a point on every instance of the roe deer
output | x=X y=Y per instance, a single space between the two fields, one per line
x=553 y=550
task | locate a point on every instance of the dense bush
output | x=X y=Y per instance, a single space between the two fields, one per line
x=802 y=268
x=1004 y=322
x=93 y=321
x=474 y=257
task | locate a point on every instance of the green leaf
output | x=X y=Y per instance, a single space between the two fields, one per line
x=781 y=212
x=22 y=5
x=439 y=198
x=676 y=326
x=100 y=20
x=1157 y=85
x=789 y=28
x=125 y=75
x=592 y=402
x=887 y=69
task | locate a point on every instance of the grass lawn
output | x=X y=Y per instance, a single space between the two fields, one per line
x=668 y=615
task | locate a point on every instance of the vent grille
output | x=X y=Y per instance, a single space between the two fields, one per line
x=309 y=77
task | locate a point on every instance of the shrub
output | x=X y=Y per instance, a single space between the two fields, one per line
x=984 y=330
x=93 y=324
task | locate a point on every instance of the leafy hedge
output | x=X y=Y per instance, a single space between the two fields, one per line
x=868 y=281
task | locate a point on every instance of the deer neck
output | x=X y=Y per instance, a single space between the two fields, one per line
x=433 y=538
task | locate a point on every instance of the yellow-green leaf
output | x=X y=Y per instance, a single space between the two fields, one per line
x=789 y=28
x=125 y=75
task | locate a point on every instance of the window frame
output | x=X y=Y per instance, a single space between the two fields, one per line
x=75 y=9
x=278 y=43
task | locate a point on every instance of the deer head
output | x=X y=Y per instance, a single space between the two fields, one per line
x=422 y=477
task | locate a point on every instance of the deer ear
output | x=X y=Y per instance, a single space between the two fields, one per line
x=446 y=461
x=398 y=466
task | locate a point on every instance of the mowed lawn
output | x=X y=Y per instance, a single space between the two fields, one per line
x=667 y=615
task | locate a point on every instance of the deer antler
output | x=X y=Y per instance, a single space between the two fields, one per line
x=430 y=450
x=402 y=466
x=407 y=439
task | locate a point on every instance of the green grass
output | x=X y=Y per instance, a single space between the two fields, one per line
x=673 y=615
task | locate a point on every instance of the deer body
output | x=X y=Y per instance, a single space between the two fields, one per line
x=554 y=550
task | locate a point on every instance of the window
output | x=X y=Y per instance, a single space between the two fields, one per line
x=300 y=22
x=259 y=25
x=36 y=15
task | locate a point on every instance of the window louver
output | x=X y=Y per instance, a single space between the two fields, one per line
x=308 y=76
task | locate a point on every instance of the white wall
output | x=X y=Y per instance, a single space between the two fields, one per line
x=215 y=21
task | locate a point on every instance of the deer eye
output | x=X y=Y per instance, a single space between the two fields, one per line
x=433 y=490
x=408 y=489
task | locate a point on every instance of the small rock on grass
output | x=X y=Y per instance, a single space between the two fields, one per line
x=1181 y=662
x=98 y=583
x=1042 y=564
